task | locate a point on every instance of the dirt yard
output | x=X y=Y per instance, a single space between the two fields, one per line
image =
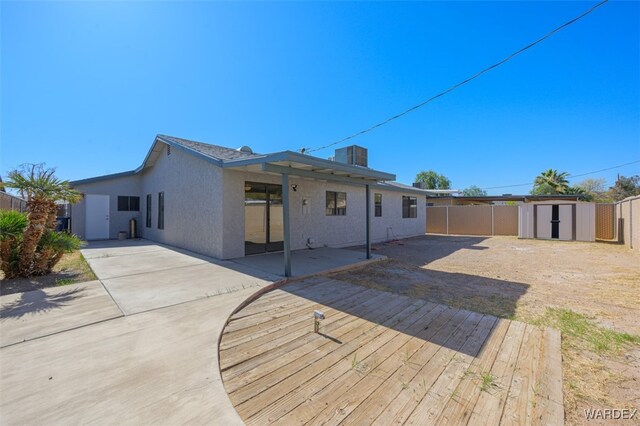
x=71 y=269
x=590 y=291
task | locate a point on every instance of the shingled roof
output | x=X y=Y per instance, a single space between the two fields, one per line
x=214 y=151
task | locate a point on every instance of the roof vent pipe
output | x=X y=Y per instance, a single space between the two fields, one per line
x=245 y=149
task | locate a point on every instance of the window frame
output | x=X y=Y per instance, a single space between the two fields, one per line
x=128 y=200
x=335 y=197
x=161 y=210
x=409 y=207
x=377 y=204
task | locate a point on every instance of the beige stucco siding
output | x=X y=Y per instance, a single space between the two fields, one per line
x=192 y=202
x=118 y=221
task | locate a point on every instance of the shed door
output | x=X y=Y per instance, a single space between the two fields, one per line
x=544 y=222
x=566 y=223
x=97 y=217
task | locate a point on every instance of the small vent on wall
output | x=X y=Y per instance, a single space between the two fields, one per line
x=168 y=149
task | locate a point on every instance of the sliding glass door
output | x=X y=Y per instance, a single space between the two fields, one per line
x=262 y=218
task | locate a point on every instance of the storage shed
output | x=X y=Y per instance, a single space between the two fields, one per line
x=558 y=220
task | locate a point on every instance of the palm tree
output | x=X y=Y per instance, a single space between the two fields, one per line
x=551 y=181
x=41 y=188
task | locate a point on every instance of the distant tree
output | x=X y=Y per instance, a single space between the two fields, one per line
x=578 y=190
x=550 y=182
x=433 y=180
x=593 y=186
x=474 y=191
x=594 y=189
x=625 y=187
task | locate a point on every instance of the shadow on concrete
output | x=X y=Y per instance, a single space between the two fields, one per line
x=38 y=301
x=267 y=266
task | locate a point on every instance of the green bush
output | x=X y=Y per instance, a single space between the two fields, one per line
x=12 y=224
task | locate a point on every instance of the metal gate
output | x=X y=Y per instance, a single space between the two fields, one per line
x=605 y=221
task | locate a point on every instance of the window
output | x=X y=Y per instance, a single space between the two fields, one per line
x=378 y=205
x=160 y=210
x=409 y=207
x=148 y=210
x=128 y=204
x=336 y=203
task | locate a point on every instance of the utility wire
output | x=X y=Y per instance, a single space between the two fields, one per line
x=568 y=176
x=455 y=86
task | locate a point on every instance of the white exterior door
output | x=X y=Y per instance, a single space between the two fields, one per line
x=97 y=217
x=544 y=222
x=566 y=223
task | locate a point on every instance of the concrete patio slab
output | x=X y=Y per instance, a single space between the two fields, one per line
x=152 y=290
x=306 y=262
x=111 y=248
x=157 y=367
x=38 y=313
x=111 y=266
x=141 y=275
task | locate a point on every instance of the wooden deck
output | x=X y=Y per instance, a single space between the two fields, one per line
x=381 y=358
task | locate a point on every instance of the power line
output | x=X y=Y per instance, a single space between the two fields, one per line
x=455 y=86
x=568 y=176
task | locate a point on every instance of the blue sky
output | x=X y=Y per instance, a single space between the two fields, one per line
x=87 y=86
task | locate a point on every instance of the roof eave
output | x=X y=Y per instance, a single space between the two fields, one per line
x=311 y=161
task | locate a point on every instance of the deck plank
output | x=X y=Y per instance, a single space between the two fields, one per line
x=406 y=361
x=385 y=311
x=401 y=408
x=460 y=406
x=384 y=358
x=489 y=407
x=366 y=357
x=430 y=407
x=334 y=328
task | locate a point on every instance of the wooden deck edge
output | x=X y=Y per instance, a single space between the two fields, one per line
x=277 y=284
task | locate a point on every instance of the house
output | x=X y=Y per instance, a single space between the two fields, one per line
x=229 y=203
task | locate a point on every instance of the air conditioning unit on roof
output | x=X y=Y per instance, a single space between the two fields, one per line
x=353 y=155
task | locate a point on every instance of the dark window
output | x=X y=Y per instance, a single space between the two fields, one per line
x=160 y=210
x=409 y=207
x=378 y=205
x=128 y=204
x=148 y=210
x=336 y=203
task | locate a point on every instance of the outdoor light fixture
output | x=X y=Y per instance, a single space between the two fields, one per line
x=317 y=317
x=294 y=187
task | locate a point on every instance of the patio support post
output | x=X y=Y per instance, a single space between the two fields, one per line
x=368 y=221
x=285 y=225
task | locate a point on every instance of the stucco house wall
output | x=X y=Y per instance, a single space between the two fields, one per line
x=192 y=202
x=118 y=221
x=312 y=222
x=204 y=206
